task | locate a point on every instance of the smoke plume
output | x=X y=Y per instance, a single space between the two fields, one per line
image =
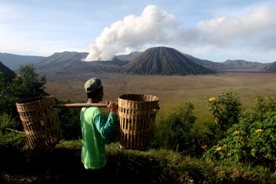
x=133 y=32
x=252 y=32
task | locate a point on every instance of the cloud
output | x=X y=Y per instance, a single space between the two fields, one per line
x=153 y=26
x=251 y=31
x=224 y=30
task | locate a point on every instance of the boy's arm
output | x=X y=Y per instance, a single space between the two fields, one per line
x=106 y=128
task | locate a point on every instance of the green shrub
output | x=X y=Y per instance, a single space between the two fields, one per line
x=251 y=140
x=27 y=84
x=176 y=132
x=226 y=109
x=205 y=139
x=6 y=122
x=9 y=136
x=262 y=106
x=262 y=140
x=70 y=123
x=13 y=140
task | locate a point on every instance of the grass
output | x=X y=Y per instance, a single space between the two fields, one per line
x=171 y=90
x=62 y=165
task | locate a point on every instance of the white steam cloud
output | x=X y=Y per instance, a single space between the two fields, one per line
x=151 y=27
x=252 y=32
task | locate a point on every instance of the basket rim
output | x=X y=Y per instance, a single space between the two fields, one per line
x=33 y=99
x=138 y=101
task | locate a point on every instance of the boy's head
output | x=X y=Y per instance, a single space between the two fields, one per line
x=94 y=88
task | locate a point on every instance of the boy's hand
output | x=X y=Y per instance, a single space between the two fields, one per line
x=112 y=106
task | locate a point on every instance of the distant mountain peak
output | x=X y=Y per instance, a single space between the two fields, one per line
x=271 y=68
x=165 y=61
x=242 y=65
x=14 y=61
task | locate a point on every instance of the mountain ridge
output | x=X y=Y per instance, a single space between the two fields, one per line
x=72 y=61
x=271 y=67
x=13 y=61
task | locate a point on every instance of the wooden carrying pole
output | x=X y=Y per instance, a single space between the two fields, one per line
x=79 y=105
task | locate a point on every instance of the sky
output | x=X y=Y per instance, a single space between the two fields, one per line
x=214 y=30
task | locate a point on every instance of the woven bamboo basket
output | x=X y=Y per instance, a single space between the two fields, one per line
x=40 y=122
x=137 y=118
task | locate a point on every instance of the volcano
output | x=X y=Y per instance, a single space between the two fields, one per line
x=165 y=61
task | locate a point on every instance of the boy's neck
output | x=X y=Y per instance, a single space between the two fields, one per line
x=90 y=100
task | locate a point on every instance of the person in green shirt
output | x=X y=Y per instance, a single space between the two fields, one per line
x=96 y=130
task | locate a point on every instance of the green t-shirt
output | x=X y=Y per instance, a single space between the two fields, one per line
x=95 y=130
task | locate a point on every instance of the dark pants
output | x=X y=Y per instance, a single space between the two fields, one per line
x=94 y=176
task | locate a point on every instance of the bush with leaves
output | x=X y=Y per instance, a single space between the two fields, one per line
x=263 y=105
x=176 y=132
x=8 y=134
x=252 y=139
x=6 y=123
x=226 y=109
x=28 y=84
x=70 y=123
x=7 y=99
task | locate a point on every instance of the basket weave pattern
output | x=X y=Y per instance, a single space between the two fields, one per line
x=137 y=117
x=40 y=122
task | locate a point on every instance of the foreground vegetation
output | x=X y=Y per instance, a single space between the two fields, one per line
x=62 y=165
x=235 y=144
